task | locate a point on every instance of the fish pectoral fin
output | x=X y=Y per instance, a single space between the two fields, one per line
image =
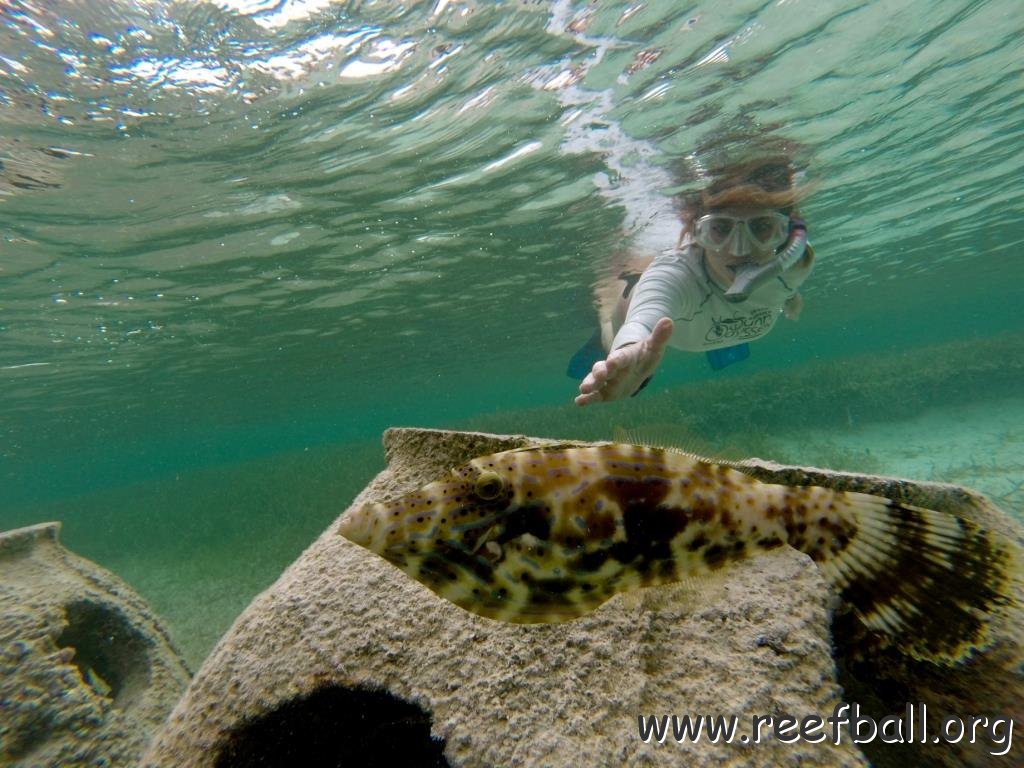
x=488 y=536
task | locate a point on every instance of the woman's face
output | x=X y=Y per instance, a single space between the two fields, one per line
x=737 y=236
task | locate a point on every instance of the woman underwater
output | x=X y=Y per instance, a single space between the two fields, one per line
x=740 y=259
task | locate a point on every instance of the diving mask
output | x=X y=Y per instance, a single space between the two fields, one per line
x=739 y=234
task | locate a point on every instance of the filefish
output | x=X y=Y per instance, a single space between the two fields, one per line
x=548 y=534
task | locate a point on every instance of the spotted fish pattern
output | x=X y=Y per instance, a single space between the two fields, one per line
x=548 y=534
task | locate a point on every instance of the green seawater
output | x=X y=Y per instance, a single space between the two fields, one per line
x=239 y=240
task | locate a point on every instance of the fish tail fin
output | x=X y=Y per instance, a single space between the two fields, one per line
x=932 y=581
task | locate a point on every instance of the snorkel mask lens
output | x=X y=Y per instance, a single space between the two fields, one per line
x=720 y=231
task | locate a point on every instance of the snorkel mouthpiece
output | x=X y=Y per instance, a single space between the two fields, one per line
x=753 y=276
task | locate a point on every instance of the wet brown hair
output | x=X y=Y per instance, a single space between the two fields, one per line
x=767 y=181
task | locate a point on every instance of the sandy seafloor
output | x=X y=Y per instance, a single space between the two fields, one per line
x=979 y=445
x=200 y=589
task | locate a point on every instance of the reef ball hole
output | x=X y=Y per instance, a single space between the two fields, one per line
x=336 y=726
x=109 y=652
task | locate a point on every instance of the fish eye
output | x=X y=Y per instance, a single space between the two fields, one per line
x=489 y=485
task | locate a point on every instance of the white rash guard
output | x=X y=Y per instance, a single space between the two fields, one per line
x=677 y=285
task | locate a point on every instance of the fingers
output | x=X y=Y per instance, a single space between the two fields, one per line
x=594 y=388
x=590 y=390
x=612 y=365
x=608 y=379
x=661 y=334
x=626 y=368
x=595 y=379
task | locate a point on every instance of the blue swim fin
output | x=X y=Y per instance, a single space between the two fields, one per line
x=585 y=357
x=719 y=358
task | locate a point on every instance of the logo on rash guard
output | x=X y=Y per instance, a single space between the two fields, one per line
x=740 y=327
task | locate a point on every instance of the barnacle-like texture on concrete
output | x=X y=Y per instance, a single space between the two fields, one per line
x=87 y=673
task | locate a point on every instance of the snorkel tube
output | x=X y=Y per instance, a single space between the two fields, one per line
x=754 y=276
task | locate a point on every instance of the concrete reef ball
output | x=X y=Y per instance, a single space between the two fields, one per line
x=347 y=661
x=87 y=672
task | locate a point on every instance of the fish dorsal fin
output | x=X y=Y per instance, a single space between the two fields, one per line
x=560 y=445
x=666 y=437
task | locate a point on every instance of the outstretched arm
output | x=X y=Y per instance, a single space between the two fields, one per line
x=625 y=369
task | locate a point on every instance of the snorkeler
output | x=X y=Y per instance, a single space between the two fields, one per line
x=741 y=257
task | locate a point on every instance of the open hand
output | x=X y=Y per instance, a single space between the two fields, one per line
x=626 y=368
